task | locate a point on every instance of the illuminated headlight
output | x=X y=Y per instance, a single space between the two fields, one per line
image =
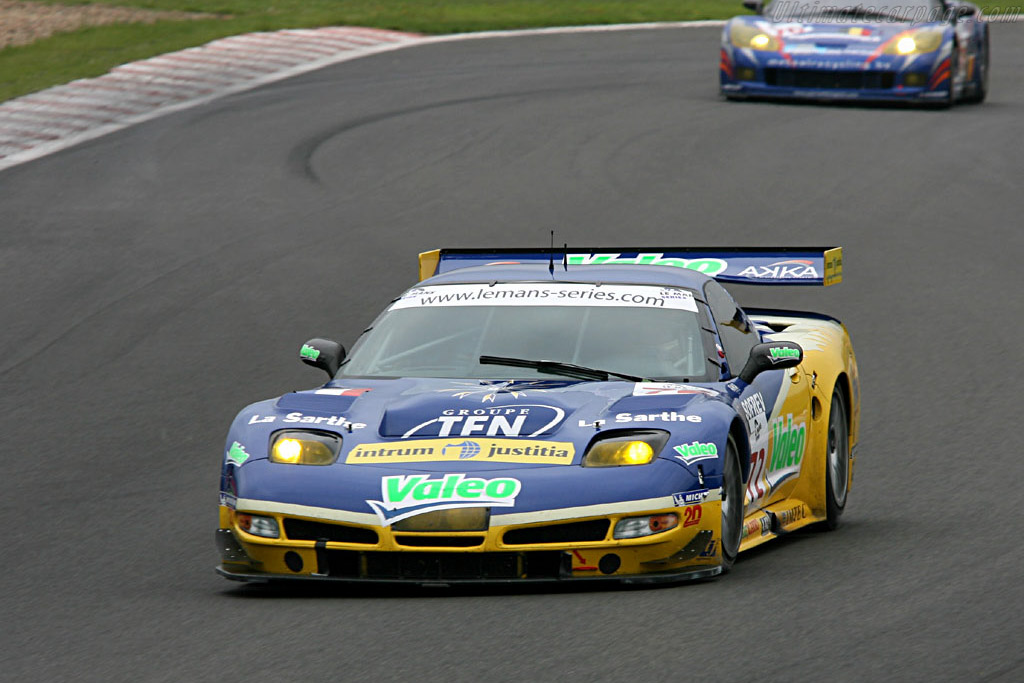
x=293 y=447
x=744 y=35
x=638 y=447
x=917 y=42
x=635 y=527
x=258 y=525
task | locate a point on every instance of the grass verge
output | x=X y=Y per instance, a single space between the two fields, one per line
x=93 y=51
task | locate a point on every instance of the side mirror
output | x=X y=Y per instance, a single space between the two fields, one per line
x=756 y=6
x=771 y=356
x=324 y=354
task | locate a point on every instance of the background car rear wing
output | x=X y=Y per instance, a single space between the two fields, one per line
x=738 y=265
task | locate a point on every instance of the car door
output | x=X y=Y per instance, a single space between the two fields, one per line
x=775 y=406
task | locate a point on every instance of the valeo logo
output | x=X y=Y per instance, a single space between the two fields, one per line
x=237 y=453
x=408 y=495
x=778 y=353
x=692 y=452
x=706 y=265
x=308 y=352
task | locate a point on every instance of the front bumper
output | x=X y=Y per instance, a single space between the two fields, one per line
x=754 y=90
x=579 y=549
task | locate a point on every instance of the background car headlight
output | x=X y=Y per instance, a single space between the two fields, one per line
x=636 y=447
x=743 y=35
x=916 y=42
x=293 y=447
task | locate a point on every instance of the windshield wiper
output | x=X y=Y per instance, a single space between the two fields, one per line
x=554 y=367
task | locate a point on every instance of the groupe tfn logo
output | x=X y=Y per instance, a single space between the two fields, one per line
x=517 y=420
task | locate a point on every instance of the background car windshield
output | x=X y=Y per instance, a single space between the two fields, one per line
x=809 y=11
x=440 y=341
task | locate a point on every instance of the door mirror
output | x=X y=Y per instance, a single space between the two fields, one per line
x=771 y=356
x=324 y=354
x=756 y=6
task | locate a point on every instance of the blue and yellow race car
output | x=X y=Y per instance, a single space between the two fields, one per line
x=915 y=51
x=546 y=415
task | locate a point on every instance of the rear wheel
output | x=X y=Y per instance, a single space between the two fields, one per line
x=732 y=504
x=837 y=461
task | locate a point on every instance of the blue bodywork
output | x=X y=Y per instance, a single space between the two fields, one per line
x=375 y=411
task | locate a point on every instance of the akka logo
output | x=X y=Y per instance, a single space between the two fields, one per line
x=708 y=266
x=517 y=420
x=408 y=495
x=794 y=269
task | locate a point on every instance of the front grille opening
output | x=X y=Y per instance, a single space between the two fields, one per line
x=571 y=532
x=826 y=80
x=306 y=530
x=439 y=541
x=439 y=566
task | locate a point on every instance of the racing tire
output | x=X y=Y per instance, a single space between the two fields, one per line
x=837 y=462
x=950 y=99
x=981 y=89
x=732 y=505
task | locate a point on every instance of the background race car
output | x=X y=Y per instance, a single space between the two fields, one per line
x=526 y=415
x=920 y=51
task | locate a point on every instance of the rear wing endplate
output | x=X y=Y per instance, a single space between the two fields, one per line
x=737 y=265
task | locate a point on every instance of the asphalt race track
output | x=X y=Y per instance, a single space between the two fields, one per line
x=156 y=280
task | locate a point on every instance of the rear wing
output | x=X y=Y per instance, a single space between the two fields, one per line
x=737 y=265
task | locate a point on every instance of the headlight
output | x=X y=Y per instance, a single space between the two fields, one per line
x=635 y=527
x=637 y=447
x=293 y=447
x=258 y=525
x=744 y=35
x=915 y=42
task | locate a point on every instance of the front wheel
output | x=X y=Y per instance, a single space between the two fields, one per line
x=981 y=86
x=732 y=504
x=837 y=461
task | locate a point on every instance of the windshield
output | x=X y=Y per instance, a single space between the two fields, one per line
x=847 y=12
x=442 y=331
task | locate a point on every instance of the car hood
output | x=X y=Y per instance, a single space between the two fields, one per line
x=520 y=438
x=478 y=421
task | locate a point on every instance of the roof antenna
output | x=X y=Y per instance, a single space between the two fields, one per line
x=551 y=256
x=565 y=256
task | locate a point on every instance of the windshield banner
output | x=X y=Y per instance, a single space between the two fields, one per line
x=548 y=294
